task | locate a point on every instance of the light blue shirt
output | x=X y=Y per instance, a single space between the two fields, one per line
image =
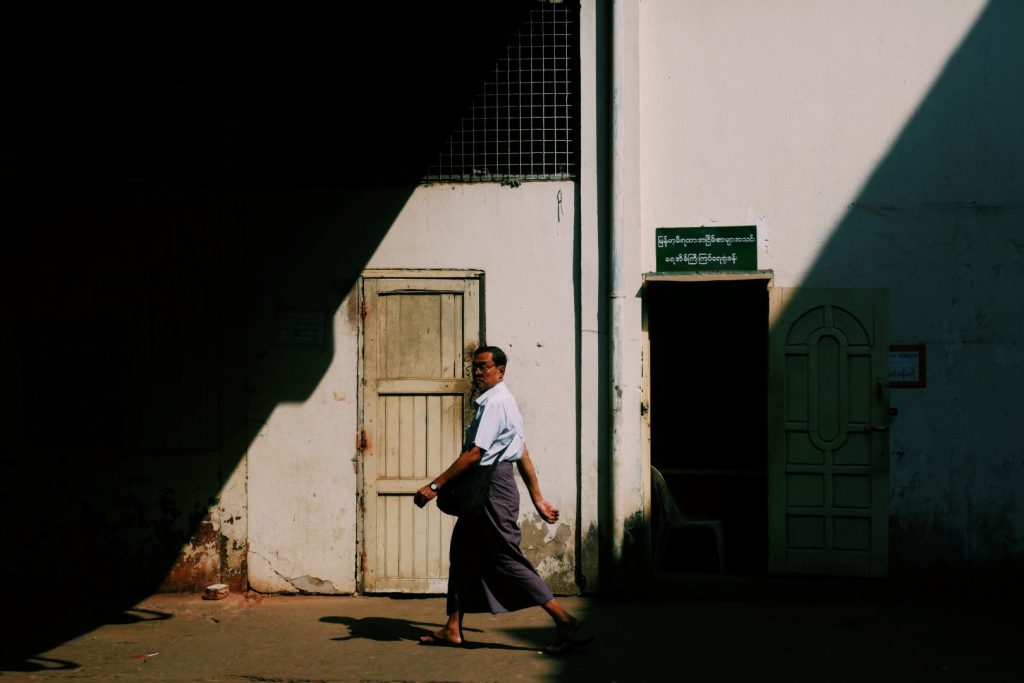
x=497 y=428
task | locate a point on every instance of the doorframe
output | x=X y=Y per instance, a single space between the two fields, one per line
x=360 y=436
x=645 y=405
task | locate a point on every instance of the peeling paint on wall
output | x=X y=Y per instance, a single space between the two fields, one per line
x=198 y=564
x=283 y=583
x=550 y=549
x=311 y=584
x=234 y=568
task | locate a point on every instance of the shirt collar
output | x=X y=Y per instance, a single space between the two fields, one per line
x=496 y=390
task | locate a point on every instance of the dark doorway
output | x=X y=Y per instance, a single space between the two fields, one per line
x=708 y=388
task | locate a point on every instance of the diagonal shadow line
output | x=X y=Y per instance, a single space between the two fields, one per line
x=38 y=664
x=935 y=223
x=155 y=233
x=55 y=618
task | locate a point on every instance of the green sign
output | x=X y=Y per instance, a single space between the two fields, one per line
x=696 y=249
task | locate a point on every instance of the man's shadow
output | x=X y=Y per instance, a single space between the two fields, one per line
x=386 y=629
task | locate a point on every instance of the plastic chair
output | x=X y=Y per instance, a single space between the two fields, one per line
x=670 y=518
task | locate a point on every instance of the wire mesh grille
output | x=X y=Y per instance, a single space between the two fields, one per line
x=521 y=127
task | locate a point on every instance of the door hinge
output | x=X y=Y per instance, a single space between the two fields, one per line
x=363 y=443
x=362 y=310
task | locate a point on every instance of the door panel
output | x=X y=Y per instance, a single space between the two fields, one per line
x=418 y=334
x=828 y=459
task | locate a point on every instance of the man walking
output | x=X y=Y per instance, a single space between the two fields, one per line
x=489 y=572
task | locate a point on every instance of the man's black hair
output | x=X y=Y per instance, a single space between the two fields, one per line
x=497 y=355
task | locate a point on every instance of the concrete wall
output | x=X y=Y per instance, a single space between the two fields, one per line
x=874 y=144
x=301 y=464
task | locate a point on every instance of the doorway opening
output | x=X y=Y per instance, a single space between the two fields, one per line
x=708 y=379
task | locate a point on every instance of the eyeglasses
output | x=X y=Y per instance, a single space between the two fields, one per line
x=482 y=367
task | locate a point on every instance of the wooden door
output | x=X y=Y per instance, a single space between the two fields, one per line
x=828 y=445
x=418 y=337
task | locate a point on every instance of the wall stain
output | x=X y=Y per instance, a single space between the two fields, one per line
x=634 y=551
x=590 y=549
x=986 y=541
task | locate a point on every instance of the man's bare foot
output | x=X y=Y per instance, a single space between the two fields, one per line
x=442 y=638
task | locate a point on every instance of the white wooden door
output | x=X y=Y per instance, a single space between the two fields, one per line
x=828 y=447
x=418 y=337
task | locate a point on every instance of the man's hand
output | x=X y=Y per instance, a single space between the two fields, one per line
x=424 y=496
x=548 y=512
x=462 y=463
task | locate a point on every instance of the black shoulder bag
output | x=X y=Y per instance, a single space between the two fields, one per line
x=466 y=493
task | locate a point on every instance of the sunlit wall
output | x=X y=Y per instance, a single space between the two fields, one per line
x=873 y=144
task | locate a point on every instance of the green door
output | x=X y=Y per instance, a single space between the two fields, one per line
x=828 y=481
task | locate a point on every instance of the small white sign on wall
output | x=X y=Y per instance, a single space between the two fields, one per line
x=907 y=366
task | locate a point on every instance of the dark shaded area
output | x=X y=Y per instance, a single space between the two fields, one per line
x=61 y=620
x=708 y=417
x=812 y=639
x=176 y=178
x=940 y=223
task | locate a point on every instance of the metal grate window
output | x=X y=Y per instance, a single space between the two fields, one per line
x=521 y=127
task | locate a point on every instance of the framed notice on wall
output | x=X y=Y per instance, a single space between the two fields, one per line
x=907 y=367
x=706 y=248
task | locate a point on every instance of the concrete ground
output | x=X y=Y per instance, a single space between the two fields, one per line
x=820 y=636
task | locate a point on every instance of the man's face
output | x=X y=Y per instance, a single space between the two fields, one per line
x=485 y=373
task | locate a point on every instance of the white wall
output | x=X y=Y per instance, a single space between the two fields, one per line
x=874 y=144
x=302 y=478
x=302 y=481
x=522 y=238
x=775 y=113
